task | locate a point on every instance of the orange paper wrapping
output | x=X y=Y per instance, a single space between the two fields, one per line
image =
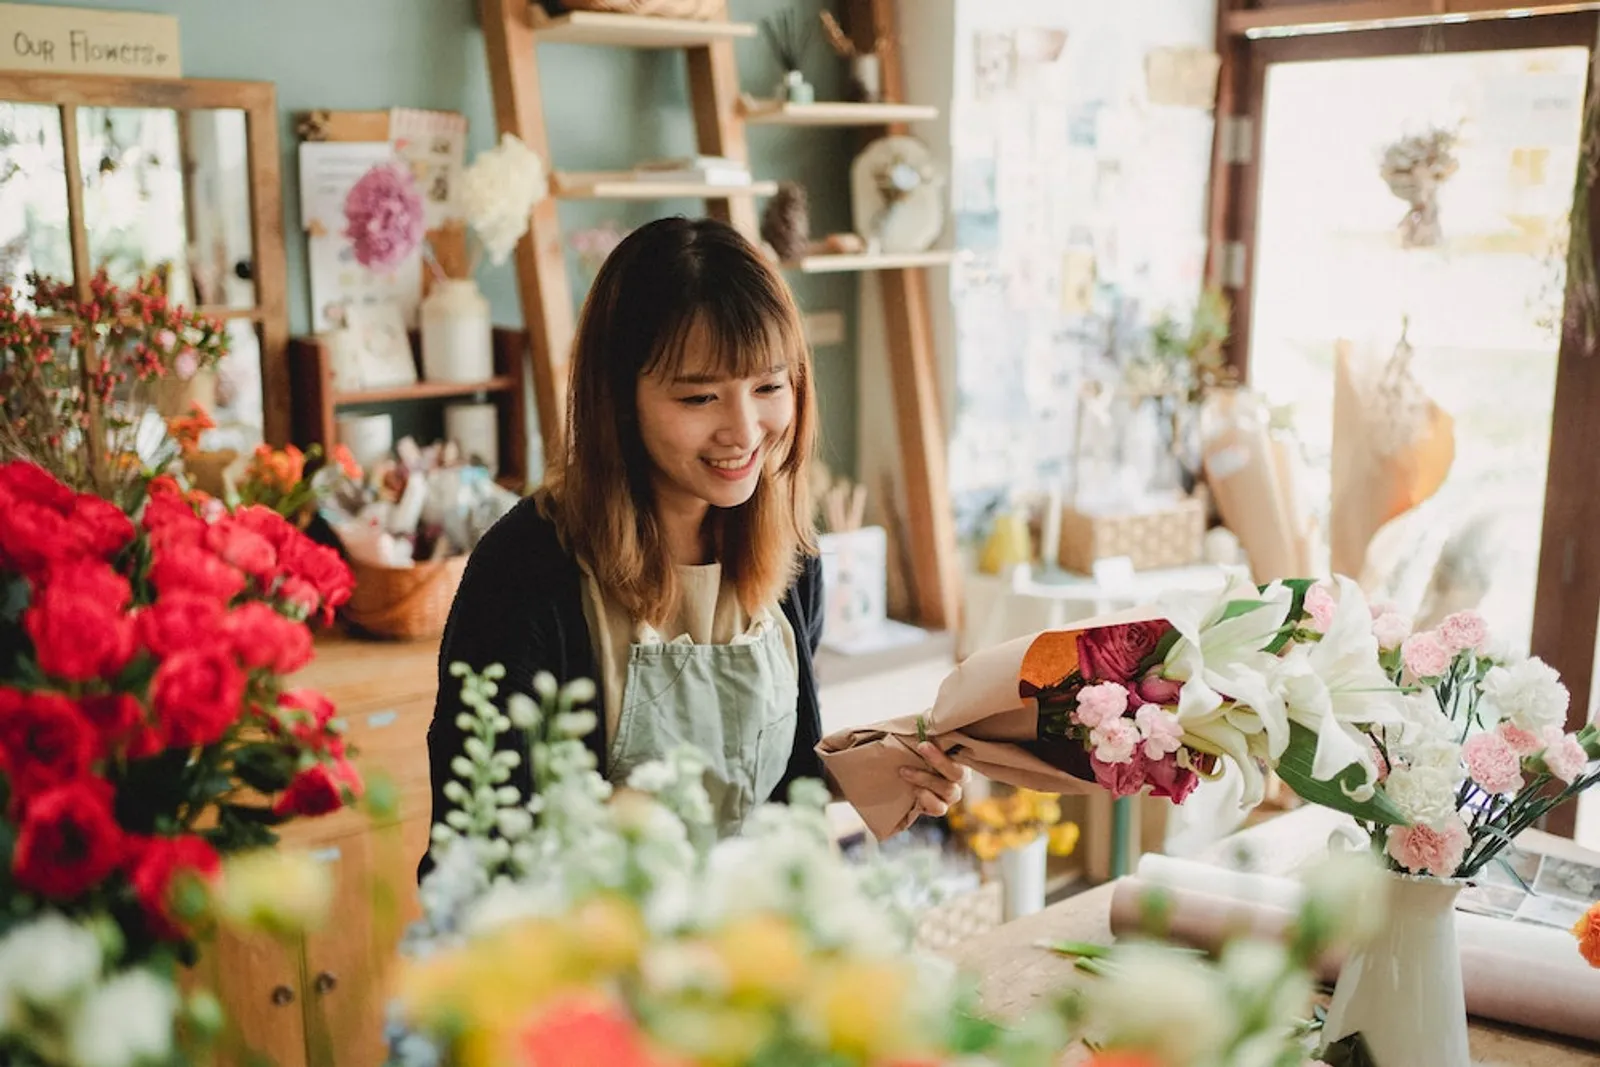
x=980 y=719
x=1515 y=973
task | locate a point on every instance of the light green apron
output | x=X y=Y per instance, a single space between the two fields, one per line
x=733 y=703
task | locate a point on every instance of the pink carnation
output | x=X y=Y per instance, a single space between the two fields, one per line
x=1162 y=733
x=1493 y=763
x=1563 y=754
x=1391 y=629
x=1123 y=779
x=383 y=217
x=1422 y=849
x=1425 y=655
x=1380 y=608
x=1463 y=631
x=1320 y=606
x=1101 y=703
x=1523 y=742
x=1114 y=741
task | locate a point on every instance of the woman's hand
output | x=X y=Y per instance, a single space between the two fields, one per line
x=937 y=788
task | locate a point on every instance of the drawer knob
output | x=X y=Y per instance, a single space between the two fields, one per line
x=325 y=982
x=282 y=995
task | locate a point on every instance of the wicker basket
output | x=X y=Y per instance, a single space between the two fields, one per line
x=1171 y=537
x=406 y=603
x=701 y=10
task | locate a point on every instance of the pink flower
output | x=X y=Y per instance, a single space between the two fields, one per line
x=1493 y=763
x=1425 y=655
x=1162 y=733
x=1464 y=631
x=1422 y=849
x=1563 y=754
x=1114 y=653
x=1391 y=629
x=1159 y=690
x=1123 y=779
x=1167 y=779
x=1114 y=741
x=1380 y=608
x=1378 y=759
x=1320 y=606
x=1102 y=703
x=383 y=217
x=1523 y=742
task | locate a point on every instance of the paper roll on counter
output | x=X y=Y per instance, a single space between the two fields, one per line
x=1520 y=973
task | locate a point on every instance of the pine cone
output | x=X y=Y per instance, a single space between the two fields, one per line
x=786 y=222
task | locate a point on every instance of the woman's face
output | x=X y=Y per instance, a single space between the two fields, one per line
x=709 y=436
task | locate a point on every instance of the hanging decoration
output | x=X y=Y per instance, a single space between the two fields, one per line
x=1414 y=167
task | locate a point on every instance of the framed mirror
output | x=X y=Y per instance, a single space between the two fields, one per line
x=176 y=176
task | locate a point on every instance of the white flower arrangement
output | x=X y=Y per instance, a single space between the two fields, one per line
x=498 y=193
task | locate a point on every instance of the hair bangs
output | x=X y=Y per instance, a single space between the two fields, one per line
x=732 y=332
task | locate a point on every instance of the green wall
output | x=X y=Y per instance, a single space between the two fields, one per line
x=605 y=109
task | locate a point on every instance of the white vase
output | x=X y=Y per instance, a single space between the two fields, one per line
x=1022 y=876
x=1402 y=992
x=457 y=335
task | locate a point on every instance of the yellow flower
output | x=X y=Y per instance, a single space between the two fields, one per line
x=611 y=932
x=985 y=845
x=1063 y=839
x=861 y=1006
x=1047 y=810
x=1016 y=838
x=281 y=892
x=713 y=1035
x=989 y=813
x=763 y=956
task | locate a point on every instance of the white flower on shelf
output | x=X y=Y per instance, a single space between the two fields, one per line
x=498 y=193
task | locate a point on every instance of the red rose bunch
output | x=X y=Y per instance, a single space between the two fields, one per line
x=145 y=728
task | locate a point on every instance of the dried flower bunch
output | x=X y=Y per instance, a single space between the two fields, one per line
x=1414 y=167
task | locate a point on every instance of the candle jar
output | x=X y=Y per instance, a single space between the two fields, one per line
x=457 y=337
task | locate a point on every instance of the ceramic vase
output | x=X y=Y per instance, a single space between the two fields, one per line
x=1022 y=878
x=1402 y=991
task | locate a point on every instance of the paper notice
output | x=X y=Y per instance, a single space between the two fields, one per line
x=1181 y=77
x=1077 y=282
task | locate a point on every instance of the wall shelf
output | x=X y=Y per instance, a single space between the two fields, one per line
x=840 y=113
x=623 y=185
x=423 y=391
x=859 y=261
x=632 y=31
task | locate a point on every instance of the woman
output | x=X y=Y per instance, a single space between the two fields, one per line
x=670 y=555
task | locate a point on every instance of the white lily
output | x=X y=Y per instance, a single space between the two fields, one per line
x=1336 y=685
x=1223 y=664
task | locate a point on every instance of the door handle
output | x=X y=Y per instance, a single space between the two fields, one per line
x=325 y=982
x=281 y=995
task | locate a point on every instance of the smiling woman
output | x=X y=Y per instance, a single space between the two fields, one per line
x=671 y=555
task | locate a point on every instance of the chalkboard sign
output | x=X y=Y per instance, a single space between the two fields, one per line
x=74 y=40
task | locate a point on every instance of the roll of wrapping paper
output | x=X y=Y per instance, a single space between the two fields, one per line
x=1519 y=973
x=1245 y=475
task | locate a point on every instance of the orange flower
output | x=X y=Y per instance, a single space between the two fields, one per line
x=580 y=1030
x=347 y=462
x=280 y=470
x=1587 y=931
x=1123 y=1059
x=186 y=429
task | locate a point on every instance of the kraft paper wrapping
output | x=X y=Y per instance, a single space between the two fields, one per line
x=984 y=717
x=1252 y=480
x=1374 y=484
x=1514 y=972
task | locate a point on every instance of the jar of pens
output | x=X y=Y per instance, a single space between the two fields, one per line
x=855 y=569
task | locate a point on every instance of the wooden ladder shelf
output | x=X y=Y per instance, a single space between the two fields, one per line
x=514 y=30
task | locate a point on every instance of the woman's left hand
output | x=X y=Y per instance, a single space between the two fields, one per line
x=937 y=788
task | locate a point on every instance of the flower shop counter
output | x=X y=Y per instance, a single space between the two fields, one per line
x=1016 y=973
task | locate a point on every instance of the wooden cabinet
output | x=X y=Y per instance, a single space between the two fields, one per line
x=320 y=1001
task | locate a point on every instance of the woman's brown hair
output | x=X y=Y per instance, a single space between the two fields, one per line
x=660 y=282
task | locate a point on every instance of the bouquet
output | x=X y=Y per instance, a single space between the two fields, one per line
x=145 y=733
x=998 y=824
x=1281 y=677
x=279 y=478
x=591 y=925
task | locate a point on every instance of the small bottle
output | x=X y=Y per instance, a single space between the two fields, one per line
x=457 y=336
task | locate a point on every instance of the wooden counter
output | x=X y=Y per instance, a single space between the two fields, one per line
x=1015 y=973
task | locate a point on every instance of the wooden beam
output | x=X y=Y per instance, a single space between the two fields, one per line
x=508 y=34
x=718 y=123
x=269 y=269
x=1367 y=14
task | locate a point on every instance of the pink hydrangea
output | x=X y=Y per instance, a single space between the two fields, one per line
x=1563 y=754
x=383 y=217
x=1422 y=849
x=1463 y=631
x=1160 y=729
x=1493 y=763
x=1114 y=741
x=1523 y=742
x=1320 y=606
x=1101 y=703
x=1391 y=629
x=1425 y=655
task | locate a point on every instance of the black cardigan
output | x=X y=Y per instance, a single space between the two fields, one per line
x=521 y=605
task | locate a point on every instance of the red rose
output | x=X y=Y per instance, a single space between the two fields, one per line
x=319 y=789
x=308 y=716
x=322 y=567
x=120 y=721
x=1113 y=653
x=78 y=638
x=180 y=621
x=102 y=526
x=262 y=520
x=32 y=537
x=187 y=568
x=1167 y=779
x=44 y=742
x=171 y=520
x=1121 y=779
x=30 y=482
x=243 y=548
x=262 y=638
x=68 y=842
x=160 y=866
x=197 y=695
x=301 y=595
x=90 y=578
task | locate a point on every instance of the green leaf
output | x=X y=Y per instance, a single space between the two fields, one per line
x=1235 y=608
x=1295 y=770
x=1351 y=1051
x=264 y=768
x=1083 y=949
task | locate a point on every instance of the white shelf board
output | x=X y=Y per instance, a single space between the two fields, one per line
x=780 y=113
x=833 y=264
x=633 y=31
x=622 y=185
